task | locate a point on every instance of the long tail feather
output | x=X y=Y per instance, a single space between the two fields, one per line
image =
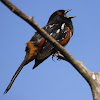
x=16 y=74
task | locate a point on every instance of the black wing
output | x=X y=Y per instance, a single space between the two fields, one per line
x=58 y=34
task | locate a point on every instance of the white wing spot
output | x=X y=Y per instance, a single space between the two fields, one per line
x=51 y=25
x=62 y=38
x=58 y=31
x=65 y=31
x=46 y=27
x=45 y=40
x=62 y=27
x=43 y=47
x=51 y=33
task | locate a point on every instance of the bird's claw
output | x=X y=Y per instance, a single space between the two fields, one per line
x=53 y=56
x=57 y=54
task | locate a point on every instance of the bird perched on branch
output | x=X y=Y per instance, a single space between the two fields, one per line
x=38 y=48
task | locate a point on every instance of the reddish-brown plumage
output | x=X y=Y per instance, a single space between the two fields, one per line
x=40 y=44
x=66 y=40
x=32 y=50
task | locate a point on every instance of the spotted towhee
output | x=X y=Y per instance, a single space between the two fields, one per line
x=60 y=28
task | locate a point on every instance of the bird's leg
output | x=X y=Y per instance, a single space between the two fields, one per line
x=58 y=55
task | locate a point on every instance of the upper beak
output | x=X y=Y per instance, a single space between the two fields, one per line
x=66 y=11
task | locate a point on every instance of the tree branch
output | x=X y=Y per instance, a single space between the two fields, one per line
x=90 y=77
x=30 y=21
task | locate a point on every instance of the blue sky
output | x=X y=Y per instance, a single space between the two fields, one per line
x=51 y=80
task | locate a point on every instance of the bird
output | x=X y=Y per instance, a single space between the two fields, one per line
x=60 y=27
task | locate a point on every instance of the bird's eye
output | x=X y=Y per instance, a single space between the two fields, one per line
x=60 y=13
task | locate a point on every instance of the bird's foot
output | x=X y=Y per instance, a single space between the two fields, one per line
x=58 y=55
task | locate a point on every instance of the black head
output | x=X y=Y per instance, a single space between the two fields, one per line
x=59 y=16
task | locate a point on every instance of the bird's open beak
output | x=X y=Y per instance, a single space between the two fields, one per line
x=66 y=11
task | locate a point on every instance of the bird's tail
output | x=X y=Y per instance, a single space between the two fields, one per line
x=16 y=74
x=31 y=52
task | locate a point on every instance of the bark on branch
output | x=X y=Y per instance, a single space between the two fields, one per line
x=92 y=78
